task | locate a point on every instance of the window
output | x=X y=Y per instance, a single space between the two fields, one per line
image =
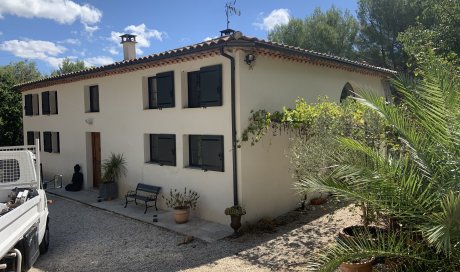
x=163 y=149
x=206 y=152
x=31 y=105
x=346 y=92
x=31 y=136
x=94 y=98
x=51 y=142
x=49 y=103
x=161 y=91
x=205 y=87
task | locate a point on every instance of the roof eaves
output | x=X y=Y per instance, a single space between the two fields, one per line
x=303 y=52
x=201 y=47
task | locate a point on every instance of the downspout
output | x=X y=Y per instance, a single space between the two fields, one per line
x=234 y=144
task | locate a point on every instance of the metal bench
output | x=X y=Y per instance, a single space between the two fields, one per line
x=56 y=182
x=143 y=192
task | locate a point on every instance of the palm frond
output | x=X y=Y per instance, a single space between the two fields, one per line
x=390 y=245
x=444 y=230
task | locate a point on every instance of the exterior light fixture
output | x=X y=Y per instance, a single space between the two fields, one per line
x=249 y=59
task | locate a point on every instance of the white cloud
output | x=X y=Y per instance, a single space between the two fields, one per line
x=71 y=41
x=112 y=50
x=276 y=17
x=35 y=49
x=98 y=61
x=143 y=35
x=61 y=11
x=90 y=29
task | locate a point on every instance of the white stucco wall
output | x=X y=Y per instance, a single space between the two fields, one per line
x=265 y=183
x=123 y=123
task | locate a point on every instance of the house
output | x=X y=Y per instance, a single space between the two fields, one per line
x=177 y=115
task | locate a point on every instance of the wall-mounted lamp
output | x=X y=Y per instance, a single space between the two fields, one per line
x=89 y=121
x=249 y=59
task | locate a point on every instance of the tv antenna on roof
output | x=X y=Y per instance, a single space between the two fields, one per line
x=230 y=9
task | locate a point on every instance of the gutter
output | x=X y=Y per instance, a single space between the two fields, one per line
x=234 y=144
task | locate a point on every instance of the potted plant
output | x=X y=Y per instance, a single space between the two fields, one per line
x=358 y=265
x=182 y=203
x=235 y=213
x=113 y=167
x=320 y=200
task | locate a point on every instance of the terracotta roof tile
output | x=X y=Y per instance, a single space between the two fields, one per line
x=207 y=45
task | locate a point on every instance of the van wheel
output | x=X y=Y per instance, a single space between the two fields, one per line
x=44 y=245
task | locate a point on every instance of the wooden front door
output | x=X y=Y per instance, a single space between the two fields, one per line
x=96 y=151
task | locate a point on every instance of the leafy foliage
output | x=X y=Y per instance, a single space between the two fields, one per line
x=11 y=101
x=332 y=32
x=179 y=200
x=114 y=167
x=381 y=22
x=236 y=210
x=417 y=187
x=67 y=66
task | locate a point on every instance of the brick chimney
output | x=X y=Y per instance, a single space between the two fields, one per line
x=129 y=46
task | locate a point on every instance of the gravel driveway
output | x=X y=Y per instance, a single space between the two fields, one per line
x=84 y=238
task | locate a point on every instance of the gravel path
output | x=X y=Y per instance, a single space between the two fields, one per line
x=84 y=238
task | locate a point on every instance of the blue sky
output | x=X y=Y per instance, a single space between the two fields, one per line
x=46 y=31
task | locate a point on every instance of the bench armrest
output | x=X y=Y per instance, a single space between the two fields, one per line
x=131 y=193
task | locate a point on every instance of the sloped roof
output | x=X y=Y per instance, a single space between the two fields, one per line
x=234 y=40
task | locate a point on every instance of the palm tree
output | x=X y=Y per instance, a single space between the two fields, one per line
x=418 y=187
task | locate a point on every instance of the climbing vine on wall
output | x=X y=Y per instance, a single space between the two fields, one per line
x=349 y=119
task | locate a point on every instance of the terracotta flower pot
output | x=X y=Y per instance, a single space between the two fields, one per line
x=364 y=266
x=318 y=201
x=181 y=215
x=349 y=233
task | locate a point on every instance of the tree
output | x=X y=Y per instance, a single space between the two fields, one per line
x=381 y=22
x=417 y=187
x=436 y=30
x=331 y=32
x=68 y=66
x=11 y=101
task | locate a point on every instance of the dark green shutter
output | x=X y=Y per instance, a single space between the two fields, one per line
x=28 y=105
x=194 y=89
x=167 y=149
x=56 y=101
x=211 y=86
x=47 y=142
x=152 y=91
x=194 y=150
x=30 y=138
x=212 y=153
x=46 y=102
x=165 y=86
x=153 y=148
x=58 y=143
x=94 y=98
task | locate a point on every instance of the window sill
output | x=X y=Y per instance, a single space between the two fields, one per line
x=199 y=168
x=159 y=164
x=147 y=109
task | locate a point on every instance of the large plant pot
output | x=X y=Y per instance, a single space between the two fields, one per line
x=181 y=215
x=235 y=222
x=349 y=233
x=108 y=191
x=364 y=266
x=318 y=201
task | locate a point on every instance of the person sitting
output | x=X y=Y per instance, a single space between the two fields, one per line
x=77 y=180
